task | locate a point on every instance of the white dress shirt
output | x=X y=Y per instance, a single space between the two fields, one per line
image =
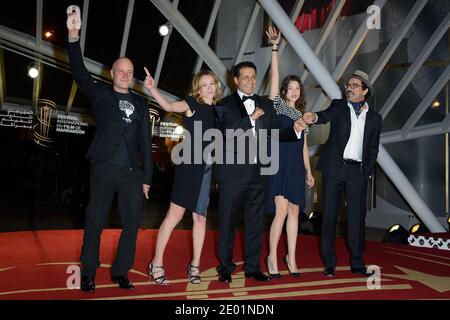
x=354 y=148
x=249 y=105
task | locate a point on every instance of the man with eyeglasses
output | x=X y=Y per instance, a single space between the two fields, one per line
x=120 y=156
x=347 y=160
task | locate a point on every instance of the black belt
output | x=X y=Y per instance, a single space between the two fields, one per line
x=351 y=162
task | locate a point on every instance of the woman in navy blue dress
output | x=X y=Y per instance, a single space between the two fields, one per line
x=192 y=180
x=285 y=191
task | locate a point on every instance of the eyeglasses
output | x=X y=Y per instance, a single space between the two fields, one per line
x=352 y=85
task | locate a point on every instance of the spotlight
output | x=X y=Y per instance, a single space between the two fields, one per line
x=448 y=222
x=436 y=104
x=418 y=228
x=48 y=34
x=396 y=234
x=178 y=130
x=33 y=71
x=316 y=220
x=165 y=29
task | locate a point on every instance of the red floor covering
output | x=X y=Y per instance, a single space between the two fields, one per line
x=35 y=266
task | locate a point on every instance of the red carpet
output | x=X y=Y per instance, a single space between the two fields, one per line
x=35 y=268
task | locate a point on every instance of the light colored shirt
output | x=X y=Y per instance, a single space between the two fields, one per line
x=354 y=148
x=249 y=105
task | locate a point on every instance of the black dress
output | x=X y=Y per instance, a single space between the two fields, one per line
x=192 y=180
x=289 y=181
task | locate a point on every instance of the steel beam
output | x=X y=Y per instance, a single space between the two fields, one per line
x=301 y=47
x=209 y=29
x=426 y=101
x=415 y=67
x=193 y=38
x=126 y=29
x=408 y=192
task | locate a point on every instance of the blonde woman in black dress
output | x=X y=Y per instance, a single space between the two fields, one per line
x=191 y=183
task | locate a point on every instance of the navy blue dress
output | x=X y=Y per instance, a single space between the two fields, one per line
x=289 y=181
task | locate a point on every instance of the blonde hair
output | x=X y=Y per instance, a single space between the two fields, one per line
x=195 y=86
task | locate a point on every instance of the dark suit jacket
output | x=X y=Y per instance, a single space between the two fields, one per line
x=331 y=154
x=230 y=113
x=110 y=127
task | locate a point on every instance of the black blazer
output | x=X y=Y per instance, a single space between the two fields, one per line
x=331 y=154
x=230 y=113
x=110 y=127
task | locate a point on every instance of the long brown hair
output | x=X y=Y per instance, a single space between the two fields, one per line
x=195 y=86
x=300 y=104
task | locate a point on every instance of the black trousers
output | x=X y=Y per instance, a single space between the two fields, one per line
x=105 y=181
x=353 y=182
x=235 y=196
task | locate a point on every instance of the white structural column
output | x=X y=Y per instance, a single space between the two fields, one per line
x=209 y=29
x=301 y=47
x=326 y=30
x=347 y=56
x=248 y=33
x=163 y=50
x=426 y=101
x=262 y=85
x=423 y=131
x=386 y=162
x=2 y=78
x=37 y=82
x=415 y=67
x=408 y=192
x=193 y=38
x=126 y=29
x=398 y=37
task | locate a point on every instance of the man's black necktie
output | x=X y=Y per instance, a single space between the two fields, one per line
x=252 y=97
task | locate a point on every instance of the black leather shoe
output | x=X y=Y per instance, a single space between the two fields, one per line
x=87 y=284
x=224 y=276
x=258 y=276
x=329 y=271
x=362 y=271
x=123 y=282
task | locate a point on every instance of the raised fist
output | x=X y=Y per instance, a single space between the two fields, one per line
x=73 y=17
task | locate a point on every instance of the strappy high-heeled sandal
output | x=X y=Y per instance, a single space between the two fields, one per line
x=154 y=270
x=194 y=274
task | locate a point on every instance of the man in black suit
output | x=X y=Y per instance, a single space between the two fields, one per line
x=347 y=160
x=241 y=182
x=120 y=156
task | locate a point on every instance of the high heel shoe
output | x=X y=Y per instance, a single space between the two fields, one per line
x=270 y=269
x=162 y=279
x=194 y=274
x=293 y=274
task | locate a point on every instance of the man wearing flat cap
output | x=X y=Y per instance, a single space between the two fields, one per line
x=347 y=160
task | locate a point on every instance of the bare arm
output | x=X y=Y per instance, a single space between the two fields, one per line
x=309 y=177
x=274 y=37
x=177 y=106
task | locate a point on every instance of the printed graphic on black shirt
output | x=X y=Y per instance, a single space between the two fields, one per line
x=128 y=108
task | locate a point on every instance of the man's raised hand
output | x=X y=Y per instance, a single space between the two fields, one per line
x=73 y=17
